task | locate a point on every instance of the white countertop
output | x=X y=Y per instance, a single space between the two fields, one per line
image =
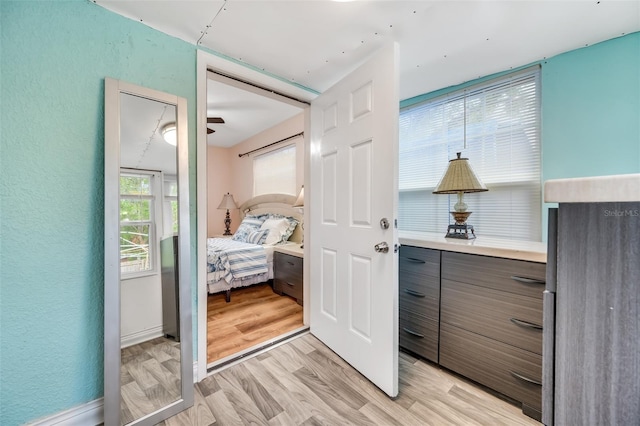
x=292 y=249
x=498 y=247
x=598 y=189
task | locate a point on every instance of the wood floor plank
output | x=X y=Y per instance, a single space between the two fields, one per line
x=331 y=397
x=296 y=411
x=199 y=414
x=312 y=402
x=245 y=407
x=164 y=377
x=368 y=389
x=256 y=391
x=223 y=410
x=255 y=315
x=135 y=400
x=348 y=393
x=141 y=375
x=323 y=389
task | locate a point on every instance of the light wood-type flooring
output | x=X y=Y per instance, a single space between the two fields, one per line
x=149 y=377
x=302 y=382
x=255 y=315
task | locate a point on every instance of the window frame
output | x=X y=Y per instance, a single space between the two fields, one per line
x=155 y=184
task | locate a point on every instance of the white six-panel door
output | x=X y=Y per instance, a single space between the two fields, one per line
x=354 y=288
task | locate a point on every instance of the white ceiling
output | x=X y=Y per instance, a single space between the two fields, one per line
x=245 y=113
x=315 y=43
x=141 y=142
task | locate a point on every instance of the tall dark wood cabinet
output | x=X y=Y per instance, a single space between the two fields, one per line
x=592 y=315
x=170 y=287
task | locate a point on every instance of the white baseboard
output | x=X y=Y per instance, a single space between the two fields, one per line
x=141 y=336
x=91 y=413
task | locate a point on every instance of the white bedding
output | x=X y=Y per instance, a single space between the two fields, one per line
x=219 y=275
x=216 y=281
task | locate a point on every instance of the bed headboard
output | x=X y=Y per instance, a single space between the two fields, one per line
x=277 y=204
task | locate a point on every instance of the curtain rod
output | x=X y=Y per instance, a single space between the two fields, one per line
x=271 y=144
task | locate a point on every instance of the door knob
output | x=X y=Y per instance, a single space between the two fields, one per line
x=382 y=247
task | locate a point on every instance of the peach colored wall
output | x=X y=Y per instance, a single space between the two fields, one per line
x=219 y=183
x=229 y=173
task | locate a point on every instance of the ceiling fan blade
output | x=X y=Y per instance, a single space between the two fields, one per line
x=209 y=131
x=215 y=120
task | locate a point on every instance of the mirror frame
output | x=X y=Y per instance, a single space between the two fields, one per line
x=112 y=350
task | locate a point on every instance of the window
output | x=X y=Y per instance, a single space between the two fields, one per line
x=275 y=172
x=170 y=209
x=137 y=240
x=497 y=126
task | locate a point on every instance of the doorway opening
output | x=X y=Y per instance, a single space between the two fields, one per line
x=255 y=169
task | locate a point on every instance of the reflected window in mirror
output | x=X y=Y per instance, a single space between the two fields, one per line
x=137 y=222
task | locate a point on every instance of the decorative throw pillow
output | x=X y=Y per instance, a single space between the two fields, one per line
x=280 y=229
x=249 y=224
x=257 y=237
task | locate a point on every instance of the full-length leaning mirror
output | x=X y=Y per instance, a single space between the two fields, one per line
x=148 y=362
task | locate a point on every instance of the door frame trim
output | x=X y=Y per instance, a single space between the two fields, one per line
x=204 y=62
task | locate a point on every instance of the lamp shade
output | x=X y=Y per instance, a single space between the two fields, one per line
x=300 y=200
x=459 y=177
x=227 y=202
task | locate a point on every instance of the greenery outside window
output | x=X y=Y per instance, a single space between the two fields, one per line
x=137 y=214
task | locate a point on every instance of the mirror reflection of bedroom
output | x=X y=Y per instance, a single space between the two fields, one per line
x=255 y=175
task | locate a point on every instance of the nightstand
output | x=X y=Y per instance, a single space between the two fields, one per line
x=287 y=275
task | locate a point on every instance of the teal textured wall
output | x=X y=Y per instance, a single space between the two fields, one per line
x=54 y=57
x=591 y=110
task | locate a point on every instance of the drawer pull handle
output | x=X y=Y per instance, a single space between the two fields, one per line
x=290 y=263
x=414 y=260
x=524 y=378
x=414 y=293
x=289 y=284
x=527 y=324
x=525 y=280
x=413 y=333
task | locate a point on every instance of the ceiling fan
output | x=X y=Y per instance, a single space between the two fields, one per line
x=214 y=120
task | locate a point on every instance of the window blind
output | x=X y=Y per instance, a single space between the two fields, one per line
x=497 y=126
x=275 y=172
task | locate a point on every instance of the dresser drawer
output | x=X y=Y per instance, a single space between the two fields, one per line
x=419 y=280
x=501 y=367
x=513 y=276
x=510 y=318
x=419 y=334
x=421 y=300
x=419 y=261
x=287 y=275
x=287 y=266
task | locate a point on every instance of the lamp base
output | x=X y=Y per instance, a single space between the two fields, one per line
x=460 y=232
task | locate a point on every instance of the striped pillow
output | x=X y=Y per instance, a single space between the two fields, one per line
x=257 y=237
x=249 y=224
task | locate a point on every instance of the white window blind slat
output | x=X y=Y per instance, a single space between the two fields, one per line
x=500 y=123
x=275 y=172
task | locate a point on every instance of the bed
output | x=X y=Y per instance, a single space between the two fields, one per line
x=247 y=257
